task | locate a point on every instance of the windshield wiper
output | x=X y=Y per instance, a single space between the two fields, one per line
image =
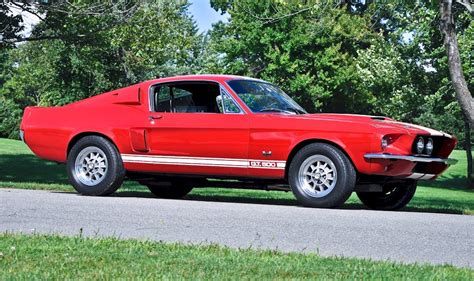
x=295 y=110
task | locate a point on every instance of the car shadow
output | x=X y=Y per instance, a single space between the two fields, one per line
x=273 y=201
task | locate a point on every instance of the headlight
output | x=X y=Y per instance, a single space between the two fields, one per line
x=420 y=145
x=429 y=146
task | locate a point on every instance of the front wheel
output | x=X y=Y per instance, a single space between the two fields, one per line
x=393 y=197
x=321 y=175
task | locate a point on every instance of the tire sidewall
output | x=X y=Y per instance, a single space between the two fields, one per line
x=114 y=175
x=345 y=176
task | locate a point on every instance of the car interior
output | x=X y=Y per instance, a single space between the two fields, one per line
x=187 y=97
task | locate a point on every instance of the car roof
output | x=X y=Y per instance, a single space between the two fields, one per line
x=202 y=77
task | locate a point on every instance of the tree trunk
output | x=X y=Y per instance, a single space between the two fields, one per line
x=463 y=95
x=447 y=27
x=468 y=146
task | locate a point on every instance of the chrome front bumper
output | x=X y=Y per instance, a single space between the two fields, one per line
x=22 y=135
x=448 y=161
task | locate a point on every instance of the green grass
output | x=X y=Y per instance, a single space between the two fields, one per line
x=19 y=168
x=53 y=257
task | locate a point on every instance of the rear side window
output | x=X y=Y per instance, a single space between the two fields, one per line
x=162 y=99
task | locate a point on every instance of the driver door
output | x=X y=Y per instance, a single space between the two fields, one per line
x=190 y=132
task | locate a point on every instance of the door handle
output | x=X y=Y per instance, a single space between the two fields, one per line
x=156 y=117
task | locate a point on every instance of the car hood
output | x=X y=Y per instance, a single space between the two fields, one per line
x=378 y=122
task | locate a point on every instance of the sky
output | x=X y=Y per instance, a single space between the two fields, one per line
x=204 y=15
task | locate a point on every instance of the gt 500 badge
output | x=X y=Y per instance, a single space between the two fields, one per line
x=261 y=164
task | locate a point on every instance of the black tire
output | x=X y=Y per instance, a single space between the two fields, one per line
x=394 y=196
x=113 y=175
x=169 y=190
x=344 y=171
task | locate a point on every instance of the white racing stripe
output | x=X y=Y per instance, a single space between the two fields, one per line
x=203 y=161
x=431 y=131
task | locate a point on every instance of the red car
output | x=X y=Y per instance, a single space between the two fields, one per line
x=176 y=133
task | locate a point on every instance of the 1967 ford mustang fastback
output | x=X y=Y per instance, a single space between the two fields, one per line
x=178 y=133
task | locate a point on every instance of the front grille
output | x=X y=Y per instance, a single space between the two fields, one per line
x=429 y=168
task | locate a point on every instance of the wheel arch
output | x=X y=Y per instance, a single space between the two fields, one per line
x=306 y=142
x=81 y=135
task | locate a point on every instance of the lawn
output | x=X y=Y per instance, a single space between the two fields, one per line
x=19 y=168
x=53 y=257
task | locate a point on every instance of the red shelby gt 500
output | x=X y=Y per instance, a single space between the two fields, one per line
x=177 y=133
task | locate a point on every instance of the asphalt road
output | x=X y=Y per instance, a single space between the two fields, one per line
x=398 y=236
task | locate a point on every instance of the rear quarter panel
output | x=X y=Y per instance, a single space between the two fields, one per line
x=49 y=130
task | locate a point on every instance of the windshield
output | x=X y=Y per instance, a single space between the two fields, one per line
x=262 y=97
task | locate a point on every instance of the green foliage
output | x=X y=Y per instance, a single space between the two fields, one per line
x=94 y=53
x=10 y=25
x=10 y=115
x=433 y=103
x=379 y=58
x=383 y=58
x=311 y=55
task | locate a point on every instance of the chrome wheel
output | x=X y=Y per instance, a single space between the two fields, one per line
x=91 y=166
x=317 y=176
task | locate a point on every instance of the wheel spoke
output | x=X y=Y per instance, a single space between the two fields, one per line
x=317 y=176
x=91 y=166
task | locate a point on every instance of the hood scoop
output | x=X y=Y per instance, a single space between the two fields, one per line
x=378 y=118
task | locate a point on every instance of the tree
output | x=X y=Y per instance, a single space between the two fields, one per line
x=311 y=53
x=62 y=61
x=57 y=16
x=10 y=25
x=463 y=95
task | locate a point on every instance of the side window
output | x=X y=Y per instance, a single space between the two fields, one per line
x=183 y=101
x=163 y=99
x=193 y=97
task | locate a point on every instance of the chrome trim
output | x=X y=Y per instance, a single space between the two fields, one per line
x=410 y=158
x=22 y=135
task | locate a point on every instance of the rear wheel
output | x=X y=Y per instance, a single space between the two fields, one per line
x=170 y=190
x=321 y=176
x=94 y=166
x=393 y=197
